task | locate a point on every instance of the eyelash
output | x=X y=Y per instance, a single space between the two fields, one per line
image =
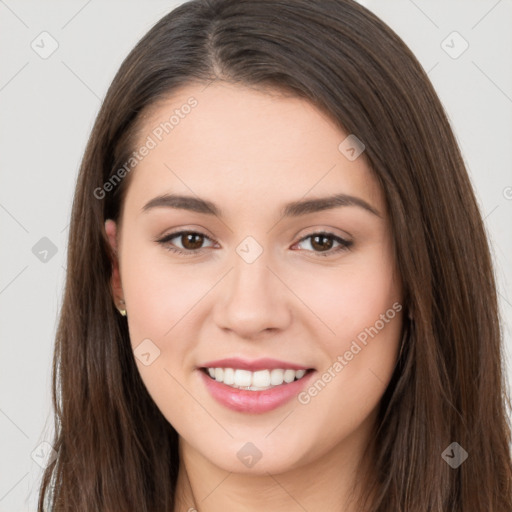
x=344 y=244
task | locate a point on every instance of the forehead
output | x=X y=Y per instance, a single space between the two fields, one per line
x=231 y=143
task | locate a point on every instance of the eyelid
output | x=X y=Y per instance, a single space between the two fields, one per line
x=164 y=240
x=325 y=228
x=189 y=228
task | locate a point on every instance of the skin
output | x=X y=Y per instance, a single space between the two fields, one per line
x=250 y=152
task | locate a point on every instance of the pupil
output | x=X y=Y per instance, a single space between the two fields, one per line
x=194 y=245
x=321 y=246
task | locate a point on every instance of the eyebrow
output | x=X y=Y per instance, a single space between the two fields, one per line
x=292 y=209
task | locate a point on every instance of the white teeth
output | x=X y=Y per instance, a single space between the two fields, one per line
x=242 y=378
x=255 y=381
x=276 y=377
x=229 y=376
x=261 y=379
x=289 y=376
x=300 y=373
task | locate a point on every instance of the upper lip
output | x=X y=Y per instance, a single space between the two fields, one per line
x=255 y=365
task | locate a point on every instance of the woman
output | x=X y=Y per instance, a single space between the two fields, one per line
x=280 y=294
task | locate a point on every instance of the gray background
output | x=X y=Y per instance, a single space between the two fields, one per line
x=48 y=106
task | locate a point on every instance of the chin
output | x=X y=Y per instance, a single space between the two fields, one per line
x=258 y=456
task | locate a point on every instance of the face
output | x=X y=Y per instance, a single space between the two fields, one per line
x=275 y=289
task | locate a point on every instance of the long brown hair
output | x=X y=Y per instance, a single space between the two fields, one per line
x=115 y=450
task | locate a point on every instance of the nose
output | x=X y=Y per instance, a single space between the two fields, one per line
x=253 y=298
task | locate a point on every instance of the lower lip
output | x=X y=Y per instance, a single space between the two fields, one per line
x=255 y=402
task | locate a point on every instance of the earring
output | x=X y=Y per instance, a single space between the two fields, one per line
x=122 y=310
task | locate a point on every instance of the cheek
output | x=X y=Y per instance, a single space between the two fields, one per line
x=352 y=298
x=161 y=301
x=362 y=307
x=160 y=294
x=344 y=397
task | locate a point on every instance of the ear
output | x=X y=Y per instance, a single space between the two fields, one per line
x=115 y=280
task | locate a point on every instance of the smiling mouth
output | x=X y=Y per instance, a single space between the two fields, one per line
x=255 y=381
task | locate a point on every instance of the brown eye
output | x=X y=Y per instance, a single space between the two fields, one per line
x=322 y=243
x=191 y=242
